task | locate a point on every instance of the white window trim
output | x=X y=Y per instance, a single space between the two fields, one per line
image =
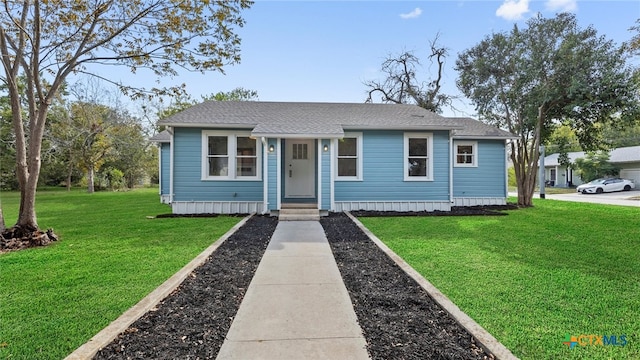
x=231 y=151
x=474 y=150
x=359 y=156
x=429 y=137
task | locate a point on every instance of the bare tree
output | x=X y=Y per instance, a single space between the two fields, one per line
x=401 y=85
x=46 y=41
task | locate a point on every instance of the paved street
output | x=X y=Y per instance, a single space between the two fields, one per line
x=624 y=198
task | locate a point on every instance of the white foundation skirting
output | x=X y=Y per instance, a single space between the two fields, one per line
x=216 y=207
x=479 y=201
x=393 y=205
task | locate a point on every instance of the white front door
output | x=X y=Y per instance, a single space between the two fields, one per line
x=299 y=169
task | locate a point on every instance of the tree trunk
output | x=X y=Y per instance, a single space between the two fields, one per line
x=2 y=226
x=526 y=172
x=30 y=172
x=90 y=185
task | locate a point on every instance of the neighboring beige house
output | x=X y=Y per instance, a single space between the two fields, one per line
x=627 y=158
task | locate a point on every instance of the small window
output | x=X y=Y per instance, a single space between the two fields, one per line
x=230 y=156
x=418 y=159
x=465 y=154
x=349 y=157
x=247 y=157
x=218 y=156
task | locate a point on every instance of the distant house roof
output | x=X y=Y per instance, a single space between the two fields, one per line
x=619 y=155
x=327 y=120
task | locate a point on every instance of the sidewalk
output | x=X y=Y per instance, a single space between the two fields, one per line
x=296 y=305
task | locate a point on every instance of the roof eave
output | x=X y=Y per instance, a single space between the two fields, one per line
x=483 y=137
x=297 y=136
x=402 y=127
x=208 y=125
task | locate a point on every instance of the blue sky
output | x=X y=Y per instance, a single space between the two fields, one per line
x=323 y=51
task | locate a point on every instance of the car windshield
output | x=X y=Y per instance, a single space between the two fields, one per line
x=597 y=181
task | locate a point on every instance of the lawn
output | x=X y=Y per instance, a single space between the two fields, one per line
x=534 y=276
x=110 y=256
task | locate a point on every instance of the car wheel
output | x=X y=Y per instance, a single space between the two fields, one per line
x=599 y=191
x=627 y=188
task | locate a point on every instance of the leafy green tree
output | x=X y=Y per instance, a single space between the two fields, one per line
x=616 y=137
x=237 y=94
x=46 y=41
x=130 y=153
x=92 y=143
x=562 y=141
x=528 y=79
x=596 y=165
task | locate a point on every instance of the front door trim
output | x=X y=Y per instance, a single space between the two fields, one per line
x=304 y=165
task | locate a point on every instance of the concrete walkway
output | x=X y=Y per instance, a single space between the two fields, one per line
x=297 y=306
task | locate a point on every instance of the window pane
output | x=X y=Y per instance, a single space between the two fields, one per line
x=347 y=167
x=347 y=147
x=465 y=159
x=465 y=149
x=246 y=146
x=217 y=145
x=417 y=167
x=299 y=151
x=417 y=147
x=246 y=167
x=218 y=166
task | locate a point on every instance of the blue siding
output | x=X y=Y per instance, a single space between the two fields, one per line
x=272 y=173
x=188 y=186
x=488 y=178
x=383 y=171
x=325 y=181
x=165 y=168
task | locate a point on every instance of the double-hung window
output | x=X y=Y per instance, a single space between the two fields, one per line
x=466 y=153
x=349 y=157
x=230 y=156
x=418 y=155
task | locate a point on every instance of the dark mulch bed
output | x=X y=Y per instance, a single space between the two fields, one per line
x=398 y=318
x=193 y=321
x=455 y=211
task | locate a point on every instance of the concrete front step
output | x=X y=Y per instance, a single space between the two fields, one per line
x=299 y=215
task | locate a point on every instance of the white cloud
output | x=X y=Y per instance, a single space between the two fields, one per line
x=513 y=9
x=562 y=5
x=414 y=14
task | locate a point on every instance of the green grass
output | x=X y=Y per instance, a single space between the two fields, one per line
x=535 y=275
x=110 y=256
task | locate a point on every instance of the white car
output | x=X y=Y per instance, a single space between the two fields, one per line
x=598 y=186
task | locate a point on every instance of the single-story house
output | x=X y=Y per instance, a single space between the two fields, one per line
x=241 y=157
x=627 y=158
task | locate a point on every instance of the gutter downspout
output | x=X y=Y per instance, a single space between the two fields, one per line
x=506 y=170
x=265 y=175
x=451 y=133
x=159 y=146
x=319 y=177
x=172 y=154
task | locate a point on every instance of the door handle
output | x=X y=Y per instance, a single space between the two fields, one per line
x=290 y=173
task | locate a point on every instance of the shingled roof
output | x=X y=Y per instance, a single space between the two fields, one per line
x=616 y=156
x=472 y=128
x=326 y=120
